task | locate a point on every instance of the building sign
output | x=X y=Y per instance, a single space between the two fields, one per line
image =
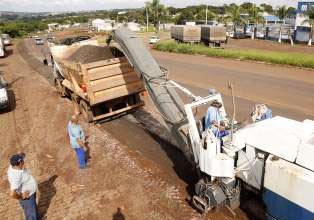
x=304 y=6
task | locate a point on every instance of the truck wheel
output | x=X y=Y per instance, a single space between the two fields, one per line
x=75 y=104
x=86 y=111
x=60 y=88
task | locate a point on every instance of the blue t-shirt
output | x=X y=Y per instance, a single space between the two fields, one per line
x=213 y=114
x=75 y=132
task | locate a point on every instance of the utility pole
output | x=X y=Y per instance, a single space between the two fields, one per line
x=206 y=13
x=146 y=19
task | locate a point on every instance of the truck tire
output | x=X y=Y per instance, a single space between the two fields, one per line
x=75 y=104
x=86 y=111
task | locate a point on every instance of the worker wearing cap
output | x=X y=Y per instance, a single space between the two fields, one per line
x=213 y=117
x=77 y=140
x=23 y=186
x=214 y=122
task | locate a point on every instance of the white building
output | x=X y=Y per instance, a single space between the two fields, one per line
x=103 y=25
x=302 y=7
x=134 y=26
x=302 y=30
x=53 y=26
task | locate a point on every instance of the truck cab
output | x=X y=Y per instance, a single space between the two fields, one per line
x=2 y=48
x=4 y=98
x=6 y=39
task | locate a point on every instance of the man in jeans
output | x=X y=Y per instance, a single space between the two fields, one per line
x=77 y=140
x=23 y=186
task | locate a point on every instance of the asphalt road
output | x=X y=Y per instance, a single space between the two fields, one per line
x=288 y=91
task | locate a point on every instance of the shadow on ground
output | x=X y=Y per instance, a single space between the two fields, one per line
x=47 y=192
x=118 y=215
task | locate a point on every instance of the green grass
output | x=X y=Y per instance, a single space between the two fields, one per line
x=293 y=59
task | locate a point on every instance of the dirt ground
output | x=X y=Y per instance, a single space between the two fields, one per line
x=117 y=176
x=249 y=44
x=115 y=179
x=259 y=44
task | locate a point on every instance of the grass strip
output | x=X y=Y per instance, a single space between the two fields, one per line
x=292 y=59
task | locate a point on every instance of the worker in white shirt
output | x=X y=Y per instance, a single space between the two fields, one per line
x=23 y=186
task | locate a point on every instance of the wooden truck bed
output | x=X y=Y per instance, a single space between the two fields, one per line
x=109 y=86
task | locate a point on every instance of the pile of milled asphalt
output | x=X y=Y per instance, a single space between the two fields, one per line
x=91 y=53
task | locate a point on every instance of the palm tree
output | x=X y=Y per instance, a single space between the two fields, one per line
x=157 y=11
x=255 y=16
x=234 y=15
x=282 y=14
x=310 y=20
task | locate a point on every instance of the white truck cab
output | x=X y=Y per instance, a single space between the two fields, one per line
x=4 y=98
x=2 y=48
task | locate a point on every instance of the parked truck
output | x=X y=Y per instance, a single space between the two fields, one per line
x=6 y=39
x=186 y=33
x=2 y=48
x=213 y=35
x=99 y=80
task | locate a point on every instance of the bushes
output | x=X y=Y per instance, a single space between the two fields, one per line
x=293 y=59
x=21 y=28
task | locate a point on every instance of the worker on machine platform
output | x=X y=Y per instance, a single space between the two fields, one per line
x=213 y=120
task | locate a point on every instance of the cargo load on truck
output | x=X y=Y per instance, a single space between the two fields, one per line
x=213 y=35
x=99 y=79
x=186 y=33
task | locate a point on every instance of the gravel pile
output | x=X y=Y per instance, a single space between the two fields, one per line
x=90 y=53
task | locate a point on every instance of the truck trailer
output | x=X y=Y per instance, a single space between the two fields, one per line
x=186 y=33
x=213 y=35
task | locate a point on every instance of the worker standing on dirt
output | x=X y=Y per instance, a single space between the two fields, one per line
x=77 y=140
x=23 y=186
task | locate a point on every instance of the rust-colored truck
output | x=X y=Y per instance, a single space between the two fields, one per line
x=99 y=79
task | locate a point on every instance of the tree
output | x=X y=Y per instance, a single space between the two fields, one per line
x=282 y=14
x=202 y=15
x=267 y=8
x=310 y=20
x=234 y=14
x=156 y=10
x=185 y=15
x=255 y=16
x=246 y=6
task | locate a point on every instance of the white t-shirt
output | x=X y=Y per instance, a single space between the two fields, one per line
x=21 y=181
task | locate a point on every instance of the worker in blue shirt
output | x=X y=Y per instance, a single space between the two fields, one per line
x=213 y=120
x=77 y=140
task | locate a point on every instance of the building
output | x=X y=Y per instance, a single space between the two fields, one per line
x=103 y=25
x=272 y=19
x=134 y=26
x=302 y=7
x=302 y=30
x=53 y=26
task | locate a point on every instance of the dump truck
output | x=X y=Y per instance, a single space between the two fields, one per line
x=213 y=35
x=99 y=79
x=186 y=33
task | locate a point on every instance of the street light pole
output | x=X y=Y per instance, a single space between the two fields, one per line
x=146 y=19
x=206 y=13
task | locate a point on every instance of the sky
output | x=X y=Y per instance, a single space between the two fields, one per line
x=79 y=5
